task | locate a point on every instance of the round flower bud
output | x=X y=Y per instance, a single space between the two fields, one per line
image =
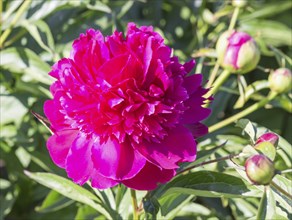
x=237 y=52
x=239 y=3
x=259 y=169
x=270 y=137
x=266 y=148
x=280 y=80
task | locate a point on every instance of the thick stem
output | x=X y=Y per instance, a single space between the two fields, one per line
x=135 y=205
x=234 y=18
x=16 y=18
x=243 y=113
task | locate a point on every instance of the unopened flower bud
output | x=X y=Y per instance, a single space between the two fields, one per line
x=239 y=3
x=280 y=80
x=266 y=148
x=270 y=137
x=259 y=169
x=237 y=52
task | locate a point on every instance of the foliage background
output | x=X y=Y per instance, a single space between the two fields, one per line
x=44 y=33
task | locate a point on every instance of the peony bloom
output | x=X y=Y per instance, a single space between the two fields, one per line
x=237 y=52
x=124 y=110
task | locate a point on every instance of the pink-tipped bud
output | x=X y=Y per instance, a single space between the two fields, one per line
x=237 y=52
x=270 y=137
x=259 y=169
x=280 y=80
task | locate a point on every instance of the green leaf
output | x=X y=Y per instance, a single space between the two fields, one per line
x=248 y=128
x=12 y=109
x=282 y=188
x=85 y=213
x=32 y=28
x=54 y=202
x=151 y=207
x=68 y=189
x=267 y=206
x=99 y=6
x=249 y=91
x=272 y=32
x=26 y=62
x=262 y=211
x=173 y=201
x=268 y=10
x=208 y=184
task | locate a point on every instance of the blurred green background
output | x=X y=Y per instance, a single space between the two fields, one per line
x=43 y=32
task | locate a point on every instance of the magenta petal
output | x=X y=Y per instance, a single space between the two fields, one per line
x=55 y=117
x=178 y=146
x=79 y=165
x=59 y=145
x=116 y=160
x=193 y=82
x=101 y=182
x=198 y=129
x=149 y=177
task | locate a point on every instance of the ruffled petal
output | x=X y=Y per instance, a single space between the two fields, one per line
x=101 y=182
x=59 y=145
x=195 y=111
x=149 y=177
x=56 y=119
x=116 y=160
x=178 y=146
x=79 y=164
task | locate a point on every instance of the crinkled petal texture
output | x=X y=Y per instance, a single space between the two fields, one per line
x=124 y=110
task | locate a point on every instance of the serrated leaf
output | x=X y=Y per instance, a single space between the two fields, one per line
x=68 y=189
x=208 y=184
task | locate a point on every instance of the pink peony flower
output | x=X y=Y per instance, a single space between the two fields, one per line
x=124 y=110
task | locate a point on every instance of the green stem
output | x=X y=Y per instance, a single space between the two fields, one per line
x=231 y=156
x=219 y=81
x=16 y=18
x=135 y=205
x=213 y=75
x=277 y=187
x=234 y=18
x=243 y=113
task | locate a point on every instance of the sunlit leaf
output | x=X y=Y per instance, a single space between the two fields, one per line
x=68 y=189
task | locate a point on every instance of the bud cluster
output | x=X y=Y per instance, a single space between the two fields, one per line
x=260 y=168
